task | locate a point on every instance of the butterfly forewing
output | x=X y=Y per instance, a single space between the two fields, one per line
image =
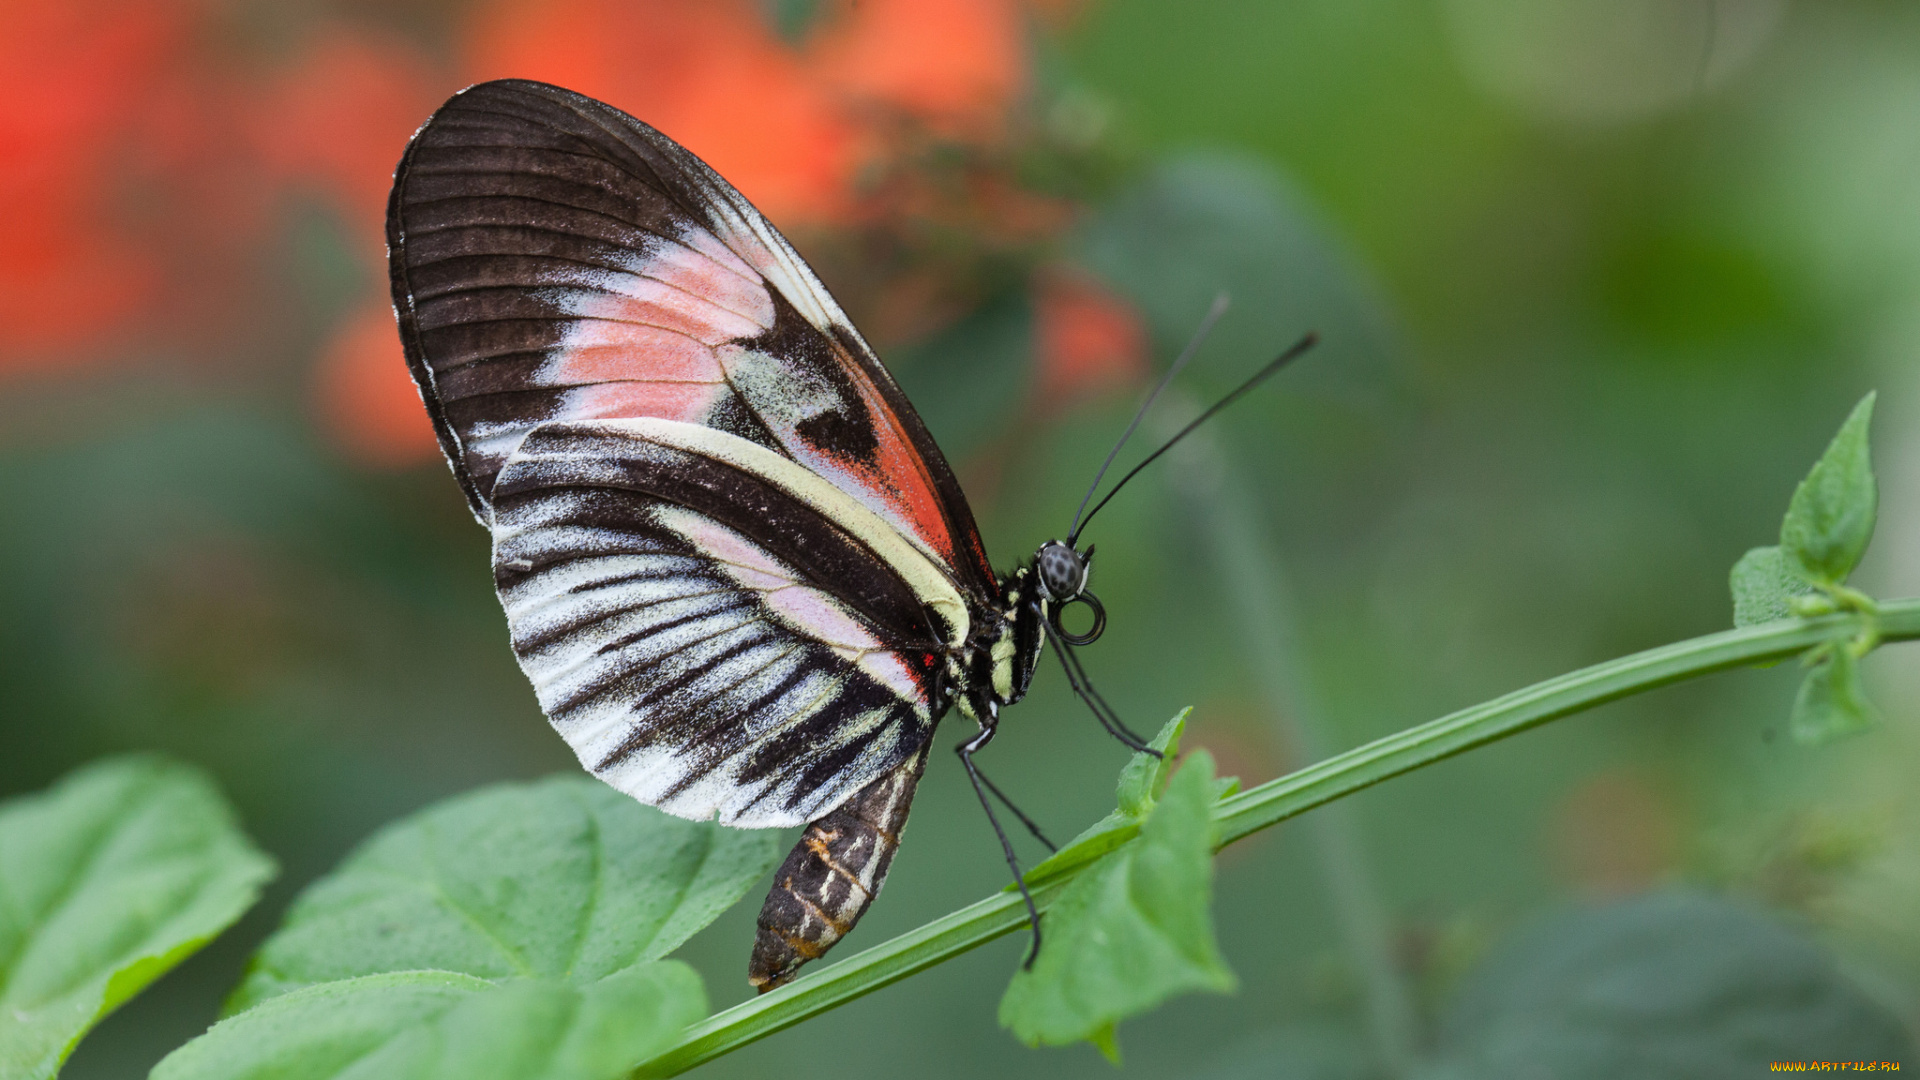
x=555 y=259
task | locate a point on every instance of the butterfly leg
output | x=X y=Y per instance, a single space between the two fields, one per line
x=1077 y=678
x=1073 y=658
x=1008 y=803
x=966 y=750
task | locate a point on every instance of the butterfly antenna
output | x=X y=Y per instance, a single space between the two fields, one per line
x=1218 y=309
x=1260 y=376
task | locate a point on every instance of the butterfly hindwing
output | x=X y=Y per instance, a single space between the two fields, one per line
x=555 y=259
x=708 y=625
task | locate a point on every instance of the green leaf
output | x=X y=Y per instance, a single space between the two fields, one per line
x=1103 y=836
x=1832 y=704
x=565 y=879
x=1144 y=776
x=1764 y=586
x=1831 y=516
x=1141 y=780
x=1672 y=986
x=1106 y=1039
x=107 y=880
x=1131 y=931
x=432 y=1025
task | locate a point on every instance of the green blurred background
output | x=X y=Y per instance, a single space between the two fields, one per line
x=1597 y=279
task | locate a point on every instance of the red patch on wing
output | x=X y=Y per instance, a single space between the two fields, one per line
x=668 y=357
x=661 y=400
x=900 y=478
x=639 y=320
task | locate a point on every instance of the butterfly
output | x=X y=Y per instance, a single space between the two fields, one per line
x=737 y=570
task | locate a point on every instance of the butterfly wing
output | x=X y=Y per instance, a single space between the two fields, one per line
x=554 y=258
x=713 y=629
x=730 y=554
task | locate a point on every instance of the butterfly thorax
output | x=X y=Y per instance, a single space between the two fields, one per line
x=996 y=666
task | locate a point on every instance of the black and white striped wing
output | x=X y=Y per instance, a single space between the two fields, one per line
x=732 y=557
x=714 y=629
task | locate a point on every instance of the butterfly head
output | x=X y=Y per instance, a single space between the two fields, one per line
x=1062 y=570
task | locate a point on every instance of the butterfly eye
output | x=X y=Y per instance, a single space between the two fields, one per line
x=1099 y=619
x=1063 y=571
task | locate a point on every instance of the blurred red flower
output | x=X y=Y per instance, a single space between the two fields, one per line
x=955 y=65
x=364 y=397
x=333 y=123
x=70 y=276
x=1088 y=338
x=140 y=166
x=143 y=151
x=788 y=125
x=331 y=126
x=712 y=75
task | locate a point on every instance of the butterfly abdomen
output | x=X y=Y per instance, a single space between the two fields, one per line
x=831 y=875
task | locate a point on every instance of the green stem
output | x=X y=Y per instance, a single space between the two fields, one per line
x=1254 y=581
x=1344 y=774
x=1269 y=804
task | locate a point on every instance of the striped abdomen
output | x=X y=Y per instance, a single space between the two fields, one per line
x=831 y=875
